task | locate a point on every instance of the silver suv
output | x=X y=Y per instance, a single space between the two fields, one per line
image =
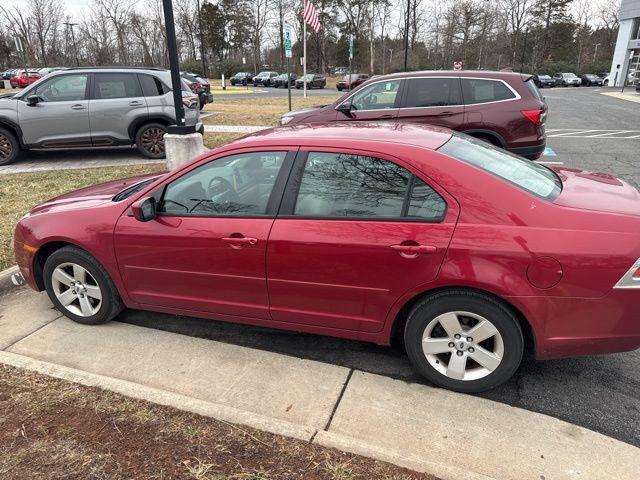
x=93 y=107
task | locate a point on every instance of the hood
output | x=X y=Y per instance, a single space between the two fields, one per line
x=91 y=196
x=596 y=191
x=304 y=111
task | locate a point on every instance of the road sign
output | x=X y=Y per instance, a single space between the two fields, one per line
x=18 y=42
x=350 y=47
x=457 y=65
x=287 y=41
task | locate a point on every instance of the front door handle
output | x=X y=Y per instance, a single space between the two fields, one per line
x=386 y=117
x=237 y=242
x=79 y=107
x=135 y=103
x=412 y=251
x=446 y=114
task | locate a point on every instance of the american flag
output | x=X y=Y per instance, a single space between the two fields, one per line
x=311 y=16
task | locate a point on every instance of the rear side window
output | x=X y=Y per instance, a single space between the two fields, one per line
x=356 y=186
x=433 y=92
x=480 y=90
x=116 y=85
x=533 y=90
x=525 y=174
x=152 y=87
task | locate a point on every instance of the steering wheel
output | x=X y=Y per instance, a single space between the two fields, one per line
x=220 y=190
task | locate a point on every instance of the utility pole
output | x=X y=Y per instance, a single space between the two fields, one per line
x=204 y=62
x=406 y=35
x=73 y=39
x=595 y=52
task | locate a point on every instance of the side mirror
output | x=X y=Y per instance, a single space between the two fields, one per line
x=345 y=107
x=144 y=210
x=33 y=100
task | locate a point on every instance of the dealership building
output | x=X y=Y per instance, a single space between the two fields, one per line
x=626 y=57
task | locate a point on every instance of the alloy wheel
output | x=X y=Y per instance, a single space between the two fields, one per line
x=76 y=289
x=462 y=345
x=6 y=149
x=153 y=140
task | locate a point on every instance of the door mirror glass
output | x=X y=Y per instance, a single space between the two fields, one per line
x=33 y=100
x=345 y=107
x=145 y=209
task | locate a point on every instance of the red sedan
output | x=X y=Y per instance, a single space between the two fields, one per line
x=471 y=254
x=22 y=80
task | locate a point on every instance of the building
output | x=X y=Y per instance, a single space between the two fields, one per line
x=626 y=57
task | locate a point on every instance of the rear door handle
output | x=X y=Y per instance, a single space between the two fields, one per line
x=446 y=114
x=386 y=117
x=414 y=250
x=79 y=107
x=239 y=242
x=135 y=103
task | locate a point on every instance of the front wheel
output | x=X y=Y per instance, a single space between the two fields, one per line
x=9 y=147
x=150 y=140
x=464 y=341
x=80 y=288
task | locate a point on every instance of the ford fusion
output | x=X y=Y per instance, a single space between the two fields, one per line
x=470 y=254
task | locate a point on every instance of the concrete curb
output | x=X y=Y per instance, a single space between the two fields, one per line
x=5 y=279
x=161 y=397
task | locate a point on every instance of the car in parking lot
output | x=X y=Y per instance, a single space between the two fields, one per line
x=470 y=255
x=241 y=78
x=94 y=107
x=264 y=78
x=542 y=81
x=312 y=80
x=349 y=82
x=199 y=86
x=24 y=78
x=591 y=80
x=281 y=80
x=567 y=80
x=502 y=108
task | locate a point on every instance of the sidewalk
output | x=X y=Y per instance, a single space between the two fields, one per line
x=629 y=95
x=450 y=435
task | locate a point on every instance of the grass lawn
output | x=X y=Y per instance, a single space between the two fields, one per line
x=52 y=429
x=258 y=109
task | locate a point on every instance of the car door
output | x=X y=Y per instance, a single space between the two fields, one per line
x=432 y=101
x=355 y=232
x=376 y=101
x=116 y=103
x=205 y=250
x=61 y=116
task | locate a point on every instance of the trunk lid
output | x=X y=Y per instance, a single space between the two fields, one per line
x=596 y=191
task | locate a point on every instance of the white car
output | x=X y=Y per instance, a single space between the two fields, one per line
x=567 y=79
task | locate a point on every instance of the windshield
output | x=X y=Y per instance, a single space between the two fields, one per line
x=525 y=174
x=544 y=77
x=570 y=75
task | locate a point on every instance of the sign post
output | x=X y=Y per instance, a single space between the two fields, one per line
x=350 y=57
x=288 y=53
x=20 y=49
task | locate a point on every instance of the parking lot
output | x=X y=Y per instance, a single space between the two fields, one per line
x=585 y=130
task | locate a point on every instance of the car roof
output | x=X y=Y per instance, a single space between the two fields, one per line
x=502 y=75
x=348 y=135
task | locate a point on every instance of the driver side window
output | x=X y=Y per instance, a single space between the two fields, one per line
x=235 y=186
x=377 y=96
x=66 y=88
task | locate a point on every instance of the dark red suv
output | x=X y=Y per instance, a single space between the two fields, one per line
x=503 y=108
x=349 y=82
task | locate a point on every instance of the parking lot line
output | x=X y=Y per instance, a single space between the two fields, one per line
x=574 y=132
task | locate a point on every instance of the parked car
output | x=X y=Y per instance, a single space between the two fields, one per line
x=7 y=74
x=567 y=79
x=85 y=107
x=199 y=86
x=472 y=255
x=341 y=70
x=24 y=78
x=502 y=108
x=264 y=78
x=542 y=81
x=349 y=82
x=591 y=80
x=313 y=80
x=241 y=78
x=281 y=80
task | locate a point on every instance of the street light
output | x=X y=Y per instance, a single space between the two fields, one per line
x=204 y=62
x=73 y=38
x=406 y=36
x=180 y=128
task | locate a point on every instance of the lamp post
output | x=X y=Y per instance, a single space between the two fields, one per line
x=73 y=39
x=180 y=127
x=406 y=35
x=204 y=62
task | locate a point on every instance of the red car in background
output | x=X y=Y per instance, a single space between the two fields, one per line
x=349 y=82
x=471 y=254
x=23 y=79
x=502 y=108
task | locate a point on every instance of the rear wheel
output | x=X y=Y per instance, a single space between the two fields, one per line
x=9 y=147
x=150 y=140
x=464 y=341
x=80 y=287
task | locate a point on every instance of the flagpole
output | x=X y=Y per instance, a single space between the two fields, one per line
x=304 y=57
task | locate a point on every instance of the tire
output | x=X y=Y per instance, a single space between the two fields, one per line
x=606 y=83
x=9 y=147
x=505 y=346
x=95 y=281
x=148 y=135
x=339 y=89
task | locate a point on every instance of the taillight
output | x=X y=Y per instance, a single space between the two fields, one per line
x=198 y=86
x=537 y=117
x=189 y=102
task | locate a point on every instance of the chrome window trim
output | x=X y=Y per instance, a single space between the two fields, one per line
x=511 y=89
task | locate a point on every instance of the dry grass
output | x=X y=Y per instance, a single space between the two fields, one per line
x=52 y=429
x=19 y=192
x=258 y=109
x=213 y=140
